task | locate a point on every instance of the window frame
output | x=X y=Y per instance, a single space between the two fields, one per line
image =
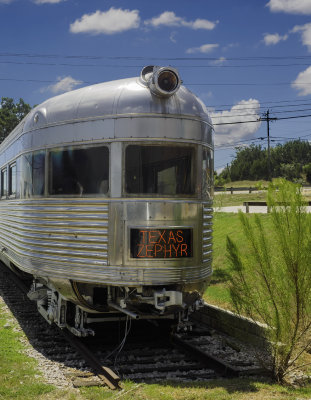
x=11 y=192
x=195 y=170
x=26 y=164
x=73 y=147
x=207 y=180
x=4 y=182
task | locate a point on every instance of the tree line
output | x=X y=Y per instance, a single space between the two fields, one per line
x=291 y=161
x=11 y=114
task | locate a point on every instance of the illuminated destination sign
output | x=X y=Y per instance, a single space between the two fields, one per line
x=161 y=243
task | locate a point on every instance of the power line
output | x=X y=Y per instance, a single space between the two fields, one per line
x=242 y=108
x=216 y=124
x=262 y=102
x=239 y=143
x=267 y=118
x=246 y=84
x=243 y=142
x=139 y=66
x=246 y=141
x=254 y=114
x=186 y=83
x=237 y=122
x=258 y=120
x=37 y=80
x=294 y=117
x=189 y=58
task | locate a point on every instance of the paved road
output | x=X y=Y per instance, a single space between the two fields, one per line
x=252 y=209
x=235 y=209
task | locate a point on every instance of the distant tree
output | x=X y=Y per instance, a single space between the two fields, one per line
x=290 y=171
x=307 y=171
x=250 y=163
x=223 y=177
x=219 y=180
x=297 y=153
x=11 y=115
x=286 y=160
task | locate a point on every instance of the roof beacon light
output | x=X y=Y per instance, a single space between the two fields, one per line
x=162 y=81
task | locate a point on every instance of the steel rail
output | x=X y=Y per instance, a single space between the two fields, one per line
x=206 y=359
x=104 y=373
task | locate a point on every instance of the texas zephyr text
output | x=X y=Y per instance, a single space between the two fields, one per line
x=166 y=243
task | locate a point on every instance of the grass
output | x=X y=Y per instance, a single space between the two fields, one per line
x=247 y=184
x=233 y=389
x=226 y=224
x=19 y=378
x=226 y=199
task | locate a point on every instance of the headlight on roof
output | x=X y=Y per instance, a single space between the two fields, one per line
x=162 y=81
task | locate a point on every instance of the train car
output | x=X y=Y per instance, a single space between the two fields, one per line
x=106 y=201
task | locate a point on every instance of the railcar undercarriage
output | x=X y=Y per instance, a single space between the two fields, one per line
x=89 y=304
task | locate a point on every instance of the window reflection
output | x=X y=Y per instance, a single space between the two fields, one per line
x=207 y=170
x=4 y=182
x=163 y=170
x=33 y=174
x=79 y=171
x=12 y=179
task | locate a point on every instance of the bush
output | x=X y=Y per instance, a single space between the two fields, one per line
x=271 y=278
x=290 y=172
x=307 y=171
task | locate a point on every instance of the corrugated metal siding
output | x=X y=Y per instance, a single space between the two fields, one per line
x=68 y=238
x=207 y=234
x=57 y=232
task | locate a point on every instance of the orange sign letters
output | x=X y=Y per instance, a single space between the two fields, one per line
x=161 y=243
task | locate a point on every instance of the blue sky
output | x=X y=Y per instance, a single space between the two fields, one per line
x=242 y=57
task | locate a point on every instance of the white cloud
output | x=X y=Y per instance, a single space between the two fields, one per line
x=48 y=1
x=219 y=61
x=273 y=38
x=233 y=131
x=63 y=84
x=303 y=82
x=205 y=48
x=169 y=18
x=290 y=6
x=202 y=24
x=305 y=34
x=109 y=22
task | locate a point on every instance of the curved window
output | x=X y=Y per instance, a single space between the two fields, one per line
x=162 y=170
x=208 y=172
x=4 y=182
x=32 y=174
x=12 y=179
x=79 y=171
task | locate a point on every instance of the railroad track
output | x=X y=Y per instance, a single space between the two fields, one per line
x=147 y=354
x=29 y=316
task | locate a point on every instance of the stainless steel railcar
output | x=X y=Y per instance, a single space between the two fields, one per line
x=106 y=200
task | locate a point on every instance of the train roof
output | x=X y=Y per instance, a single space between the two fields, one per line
x=113 y=99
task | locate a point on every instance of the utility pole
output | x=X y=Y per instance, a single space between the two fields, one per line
x=267 y=118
